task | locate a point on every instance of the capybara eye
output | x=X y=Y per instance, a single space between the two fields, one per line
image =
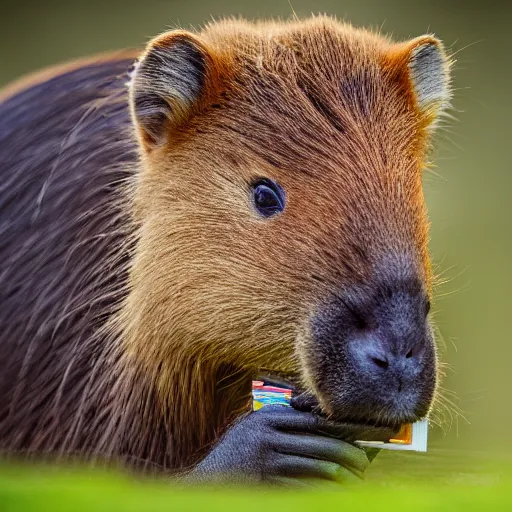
x=268 y=197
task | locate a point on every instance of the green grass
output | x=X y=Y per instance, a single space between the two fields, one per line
x=395 y=482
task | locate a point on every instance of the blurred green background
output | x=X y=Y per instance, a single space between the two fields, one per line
x=468 y=198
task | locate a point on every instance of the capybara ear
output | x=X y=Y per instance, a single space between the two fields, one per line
x=424 y=65
x=170 y=83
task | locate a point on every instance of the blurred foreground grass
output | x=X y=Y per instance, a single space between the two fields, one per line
x=395 y=482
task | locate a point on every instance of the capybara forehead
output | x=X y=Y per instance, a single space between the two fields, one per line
x=316 y=97
x=284 y=87
x=318 y=57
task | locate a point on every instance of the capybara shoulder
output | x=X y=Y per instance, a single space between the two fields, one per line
x=66 y=152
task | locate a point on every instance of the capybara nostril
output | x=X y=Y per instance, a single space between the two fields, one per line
x=370 y=355
x=380 y=362
x=414 y=351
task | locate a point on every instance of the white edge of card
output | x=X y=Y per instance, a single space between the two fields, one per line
x=419 y=440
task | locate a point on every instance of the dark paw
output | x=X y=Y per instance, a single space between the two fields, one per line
x=281 y=445
x=346 y=431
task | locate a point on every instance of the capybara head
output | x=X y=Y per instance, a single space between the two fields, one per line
x=280 y=212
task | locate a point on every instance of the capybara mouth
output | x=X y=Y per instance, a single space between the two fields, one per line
x=391 y=415
x=387 y=423
x=370 y=415
x=356 y=417
x=392 y=420
x=351 y=428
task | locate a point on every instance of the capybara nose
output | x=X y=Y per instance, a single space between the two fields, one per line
x=391 y=333
x=375 y=352
x=379 y=353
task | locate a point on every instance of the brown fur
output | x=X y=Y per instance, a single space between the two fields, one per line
x=213 y=292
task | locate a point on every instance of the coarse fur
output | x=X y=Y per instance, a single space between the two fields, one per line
x=140 y=291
